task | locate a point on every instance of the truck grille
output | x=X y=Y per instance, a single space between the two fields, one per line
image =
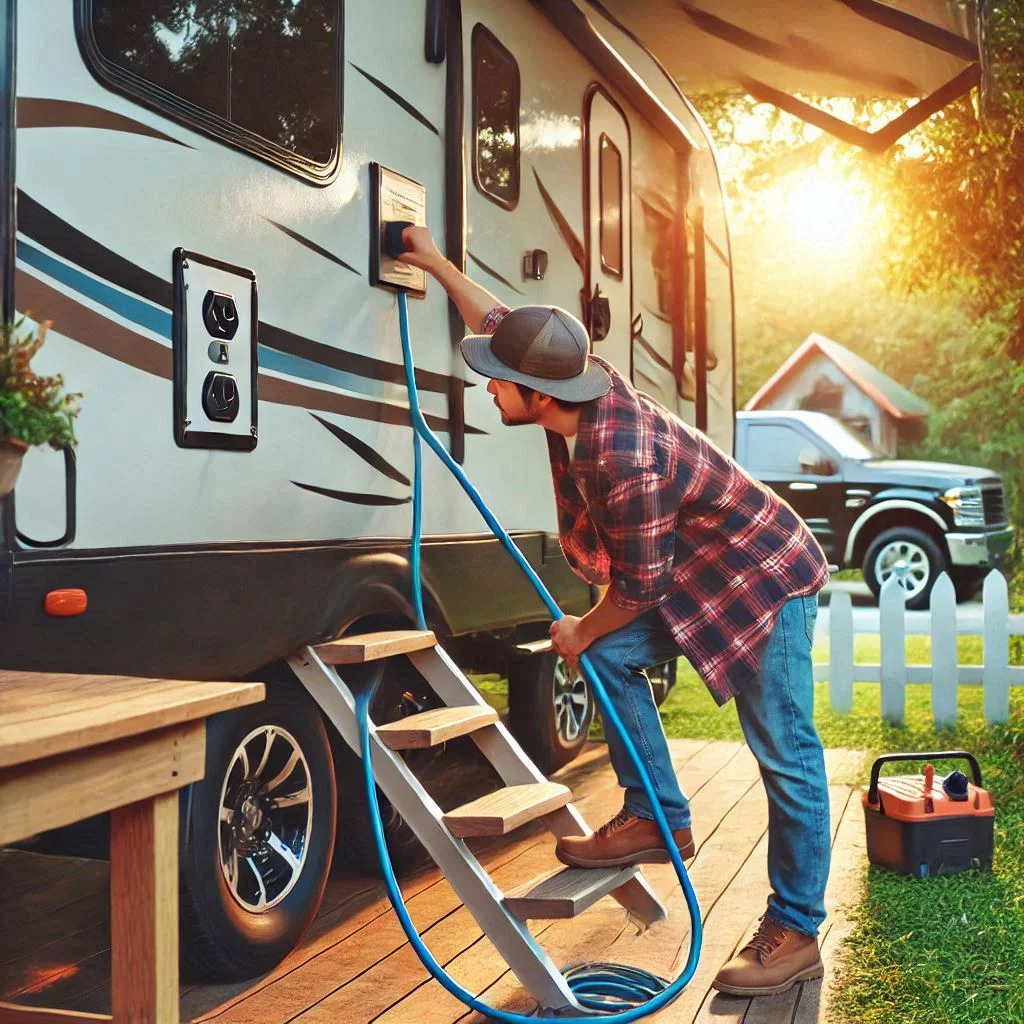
x=994 y=502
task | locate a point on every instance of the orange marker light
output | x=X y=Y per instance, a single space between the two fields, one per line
x=62 y=603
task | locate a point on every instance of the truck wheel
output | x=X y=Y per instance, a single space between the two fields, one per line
x=910 y=555
x=257 y=835
x=549 y=710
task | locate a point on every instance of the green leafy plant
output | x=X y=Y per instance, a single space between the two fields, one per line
x=33 y=409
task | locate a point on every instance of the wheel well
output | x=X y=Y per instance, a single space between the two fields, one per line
x=886 y=521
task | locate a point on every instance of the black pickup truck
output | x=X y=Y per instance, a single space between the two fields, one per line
x=884 y=516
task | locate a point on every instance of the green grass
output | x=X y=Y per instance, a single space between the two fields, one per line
x=931 y=951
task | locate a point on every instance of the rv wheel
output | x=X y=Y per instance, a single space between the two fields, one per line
x=257 y=834
x=549 y=710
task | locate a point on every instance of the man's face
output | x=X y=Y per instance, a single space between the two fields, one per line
x=514 y=411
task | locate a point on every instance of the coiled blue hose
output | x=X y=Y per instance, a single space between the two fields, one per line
x=620 y=993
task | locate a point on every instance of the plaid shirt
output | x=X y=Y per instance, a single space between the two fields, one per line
x=651 y=506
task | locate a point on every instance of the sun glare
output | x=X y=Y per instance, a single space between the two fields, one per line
x=825 y=212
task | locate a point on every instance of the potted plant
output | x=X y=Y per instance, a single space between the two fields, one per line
x=34 y=410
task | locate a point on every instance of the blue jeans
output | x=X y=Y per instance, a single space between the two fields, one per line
x=776 y=712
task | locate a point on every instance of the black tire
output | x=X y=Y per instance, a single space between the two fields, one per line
x=923 y=557
x=548 y=713
x=663 y=679
x=968 y=583
x=224 y=936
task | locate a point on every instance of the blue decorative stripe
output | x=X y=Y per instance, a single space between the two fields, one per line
x=138 y=312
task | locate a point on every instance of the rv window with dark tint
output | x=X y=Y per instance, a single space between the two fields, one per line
x=260 y=74
x=611 y=207
x=495 y=119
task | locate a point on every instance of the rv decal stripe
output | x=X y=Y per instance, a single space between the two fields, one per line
x=91 y=328
x=128 y=306
x=49 y=230
x=490 y=270
x=347 y=362
x=391 y=94
x=46 y=228
x=319 y=250
x=364 y=451
x=35 y=112
x=355 y=497
x=561 y=222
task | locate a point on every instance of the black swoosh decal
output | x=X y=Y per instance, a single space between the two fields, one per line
x=364 y=451
x=319 y=250
x=563 y=225
x=392 y=95
x=45 y=227
x=355 y=497
x=490 y=270
x=35 y=112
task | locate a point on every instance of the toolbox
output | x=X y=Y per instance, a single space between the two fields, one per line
x=927 y=825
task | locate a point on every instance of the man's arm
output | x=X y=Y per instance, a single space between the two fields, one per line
x=473 y=301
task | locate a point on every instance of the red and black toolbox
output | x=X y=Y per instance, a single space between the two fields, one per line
x=923 y=825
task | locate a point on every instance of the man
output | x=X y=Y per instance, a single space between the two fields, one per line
x=694 y=558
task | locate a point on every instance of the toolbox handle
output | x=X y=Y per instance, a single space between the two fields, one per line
x=934 y=755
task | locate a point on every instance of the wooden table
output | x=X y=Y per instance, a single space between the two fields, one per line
x=72 y=746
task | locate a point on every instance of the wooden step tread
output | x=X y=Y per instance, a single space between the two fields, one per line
x=351 y=650
x=431 y=728
x=565 y=893
x=499 y=813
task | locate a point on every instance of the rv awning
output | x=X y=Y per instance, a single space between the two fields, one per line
x=924 y=50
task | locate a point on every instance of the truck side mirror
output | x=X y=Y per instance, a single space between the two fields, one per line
x=812 y=461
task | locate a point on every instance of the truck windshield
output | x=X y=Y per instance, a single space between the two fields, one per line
x=843 y=439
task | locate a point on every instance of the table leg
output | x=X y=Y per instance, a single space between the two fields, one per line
x=144 y=911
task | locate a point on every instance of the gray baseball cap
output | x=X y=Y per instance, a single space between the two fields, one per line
x=545 y=348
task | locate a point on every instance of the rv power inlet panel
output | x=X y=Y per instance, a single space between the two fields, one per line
x=215 y=356
x=394 y=198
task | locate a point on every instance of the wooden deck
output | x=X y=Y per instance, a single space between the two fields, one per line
x=354 y=965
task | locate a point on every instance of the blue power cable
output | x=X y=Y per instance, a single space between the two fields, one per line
x=621 y=993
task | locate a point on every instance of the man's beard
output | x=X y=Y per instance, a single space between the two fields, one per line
x=518 y=421
x=515 y=421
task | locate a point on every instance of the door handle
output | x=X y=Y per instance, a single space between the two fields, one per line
x=801 y=486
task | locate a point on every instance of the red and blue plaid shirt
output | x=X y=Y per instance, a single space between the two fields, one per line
x=651 y=506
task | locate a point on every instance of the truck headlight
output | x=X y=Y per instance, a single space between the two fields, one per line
x=967 y=506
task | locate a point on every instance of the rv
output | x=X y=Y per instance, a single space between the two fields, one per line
x=200 y=194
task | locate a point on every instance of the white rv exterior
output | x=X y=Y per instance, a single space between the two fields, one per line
x=202 y=561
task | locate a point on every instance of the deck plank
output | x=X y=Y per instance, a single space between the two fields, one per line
x=355 y=965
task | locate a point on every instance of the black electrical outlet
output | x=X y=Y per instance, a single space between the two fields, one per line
x=220 y=397
x=220 y=315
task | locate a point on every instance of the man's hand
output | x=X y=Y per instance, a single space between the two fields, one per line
x=422 y=252
x=570 y=639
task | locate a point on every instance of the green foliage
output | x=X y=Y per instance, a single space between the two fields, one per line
x=33 y=408
x=933 y=291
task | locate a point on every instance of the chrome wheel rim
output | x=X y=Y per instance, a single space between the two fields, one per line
x=266 y=812
x=908 y=562
x=571 y=700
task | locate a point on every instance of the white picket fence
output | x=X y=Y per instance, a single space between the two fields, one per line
x=996 y=675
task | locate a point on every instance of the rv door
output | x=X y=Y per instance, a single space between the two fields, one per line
x=608 y=301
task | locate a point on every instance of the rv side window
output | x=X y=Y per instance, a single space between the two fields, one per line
x=495 y=119
x=611 y=207
x=263 y=77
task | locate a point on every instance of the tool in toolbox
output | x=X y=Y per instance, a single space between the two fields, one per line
x=921 y=825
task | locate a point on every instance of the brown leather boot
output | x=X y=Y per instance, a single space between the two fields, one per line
x=773 y=961
x=626 y=839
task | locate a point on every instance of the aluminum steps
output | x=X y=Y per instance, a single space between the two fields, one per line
x=527 y=796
